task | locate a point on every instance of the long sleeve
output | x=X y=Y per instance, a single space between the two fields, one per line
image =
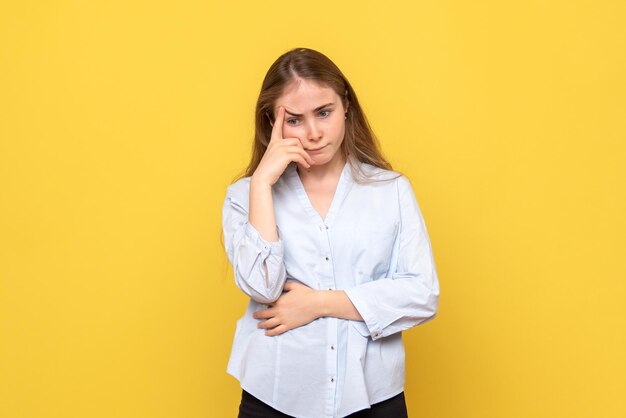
x=249 y=253
x=411 y=296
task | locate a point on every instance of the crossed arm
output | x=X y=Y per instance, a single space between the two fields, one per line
x=408 y=298
x=300 y=304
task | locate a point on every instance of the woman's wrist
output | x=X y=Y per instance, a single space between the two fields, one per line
x=322 y=302
x=337 y=304
x=259 y=182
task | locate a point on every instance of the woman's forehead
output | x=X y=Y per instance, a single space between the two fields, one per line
x=306 y=96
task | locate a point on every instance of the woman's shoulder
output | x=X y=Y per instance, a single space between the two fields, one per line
x=239 y=190
x=378 y=173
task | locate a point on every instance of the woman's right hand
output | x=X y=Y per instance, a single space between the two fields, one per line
x=279 y=153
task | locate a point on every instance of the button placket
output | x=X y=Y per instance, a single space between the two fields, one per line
x=326 y=257
x=327 y=267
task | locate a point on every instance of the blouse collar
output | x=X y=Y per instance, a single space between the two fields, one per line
x=343 y=188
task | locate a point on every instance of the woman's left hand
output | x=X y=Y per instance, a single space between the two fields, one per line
x=297 y=306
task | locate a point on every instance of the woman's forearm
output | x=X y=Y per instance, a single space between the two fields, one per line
x=261 y=214
x=336 y=303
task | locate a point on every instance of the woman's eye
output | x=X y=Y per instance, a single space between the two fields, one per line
x=294 y=121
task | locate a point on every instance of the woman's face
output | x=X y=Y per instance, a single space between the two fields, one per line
x=316 y=116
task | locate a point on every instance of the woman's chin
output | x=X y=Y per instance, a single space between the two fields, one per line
x=320 y=160
x=317 y=161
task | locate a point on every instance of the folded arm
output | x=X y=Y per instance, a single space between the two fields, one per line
x=258 y=263
x=411 y=295
x=384 y=306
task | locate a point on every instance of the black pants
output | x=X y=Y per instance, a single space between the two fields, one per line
x=394 y=407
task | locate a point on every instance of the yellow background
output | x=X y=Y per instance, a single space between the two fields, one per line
x=122 y=122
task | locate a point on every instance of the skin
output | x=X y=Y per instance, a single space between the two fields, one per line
x=293 y=138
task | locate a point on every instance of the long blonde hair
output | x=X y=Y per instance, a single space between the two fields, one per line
x=359 y=143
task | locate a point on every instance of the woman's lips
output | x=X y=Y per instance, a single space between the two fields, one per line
x=317 y=149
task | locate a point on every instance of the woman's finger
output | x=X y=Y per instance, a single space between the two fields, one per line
x=308 y=157
x=295 y=149
x=292 y=285
x=305 y=157
x=292 y=142
x=277 y=129
x=276 y=331
x=270 y=323
x=295 y=142
x=299 y=159
x=264 y=313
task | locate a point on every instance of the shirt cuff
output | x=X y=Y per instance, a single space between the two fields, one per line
x=358 y=299
x=266 y=247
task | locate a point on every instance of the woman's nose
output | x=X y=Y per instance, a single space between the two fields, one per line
x=313 y=132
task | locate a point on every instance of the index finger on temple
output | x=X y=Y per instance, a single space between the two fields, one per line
x=277 y=130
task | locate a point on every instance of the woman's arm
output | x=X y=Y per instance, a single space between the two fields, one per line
x=301 y=304
x=262 y=209
x=336 y=303
x=410 y=296
x=258 y=264
x=279 y=154
x=251 y=238
x=262 y=214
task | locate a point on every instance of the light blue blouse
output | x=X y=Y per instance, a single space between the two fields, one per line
x=373 y=244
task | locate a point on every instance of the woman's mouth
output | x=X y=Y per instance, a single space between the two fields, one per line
x=316 y=149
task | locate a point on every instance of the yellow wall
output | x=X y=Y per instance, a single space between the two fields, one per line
x=122 y=122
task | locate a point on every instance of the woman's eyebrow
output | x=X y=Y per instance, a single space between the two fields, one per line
x=316 y=109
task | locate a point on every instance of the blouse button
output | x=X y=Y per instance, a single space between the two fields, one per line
x=332 y=379
x=326 y=258
x=332 y=347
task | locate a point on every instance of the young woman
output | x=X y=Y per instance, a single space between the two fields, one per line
x=331 y=247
